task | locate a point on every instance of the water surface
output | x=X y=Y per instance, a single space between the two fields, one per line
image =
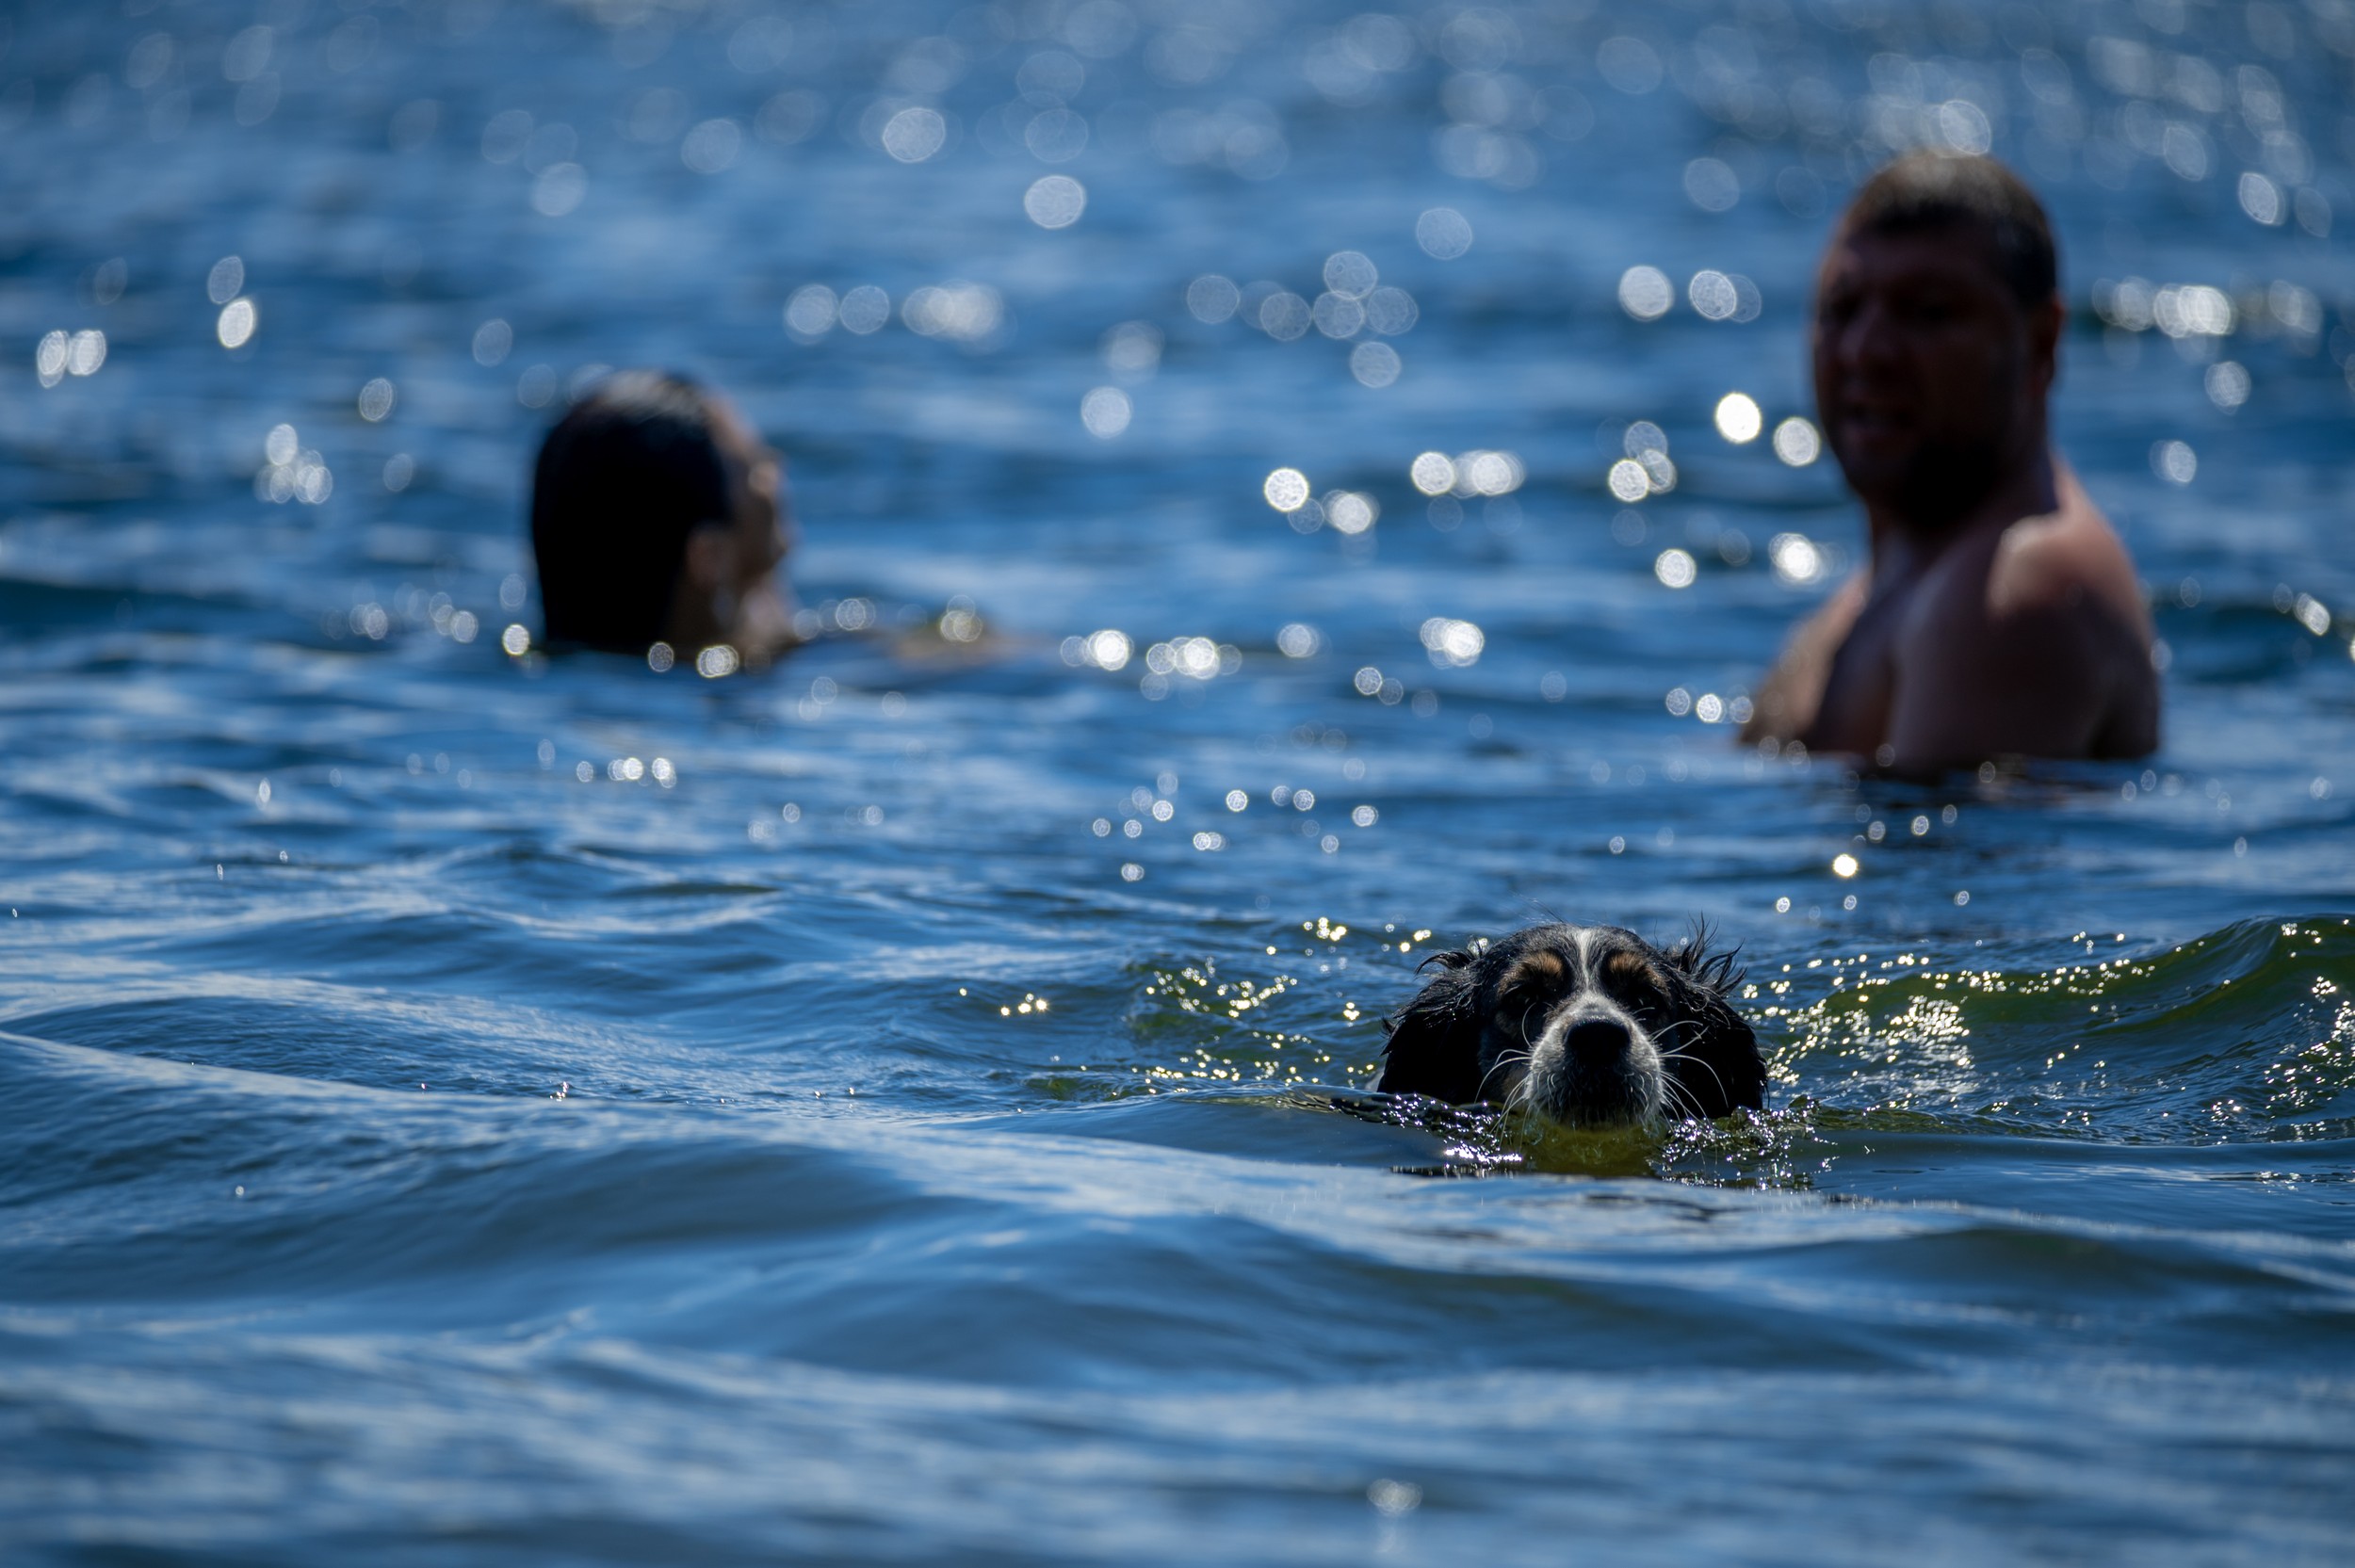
x=471 y=1106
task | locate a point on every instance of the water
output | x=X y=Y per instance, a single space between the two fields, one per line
x=433 y=1135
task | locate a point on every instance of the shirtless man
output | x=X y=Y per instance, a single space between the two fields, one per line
x=1998 y=614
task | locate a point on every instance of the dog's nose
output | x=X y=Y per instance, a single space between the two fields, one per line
x=1599 y=1040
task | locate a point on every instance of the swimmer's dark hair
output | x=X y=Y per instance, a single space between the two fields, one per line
x=1939 y=190
x=624 y=477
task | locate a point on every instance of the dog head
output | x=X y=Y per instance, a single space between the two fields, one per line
x=1589 y=1024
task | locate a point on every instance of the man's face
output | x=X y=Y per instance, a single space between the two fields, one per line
x=1930 y=377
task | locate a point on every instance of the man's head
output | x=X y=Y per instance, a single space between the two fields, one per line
x=1938 y=321
x=657 y=515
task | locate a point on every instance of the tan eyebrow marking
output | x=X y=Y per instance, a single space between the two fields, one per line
x=1627 y=965
x=1536 y=968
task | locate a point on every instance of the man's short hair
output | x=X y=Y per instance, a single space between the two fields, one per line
x=1937 y=190
x=626 y=475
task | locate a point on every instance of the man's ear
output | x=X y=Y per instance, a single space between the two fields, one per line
x=2046 y=322
x=1434 y=1042
x=708 y=561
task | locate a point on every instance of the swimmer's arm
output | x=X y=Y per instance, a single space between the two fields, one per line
x=1792 y=693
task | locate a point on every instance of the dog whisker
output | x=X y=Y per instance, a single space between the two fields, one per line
x=1702 y=1063
x=1508 y=1059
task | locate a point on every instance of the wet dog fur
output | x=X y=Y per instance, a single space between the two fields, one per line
x=1590 y=1025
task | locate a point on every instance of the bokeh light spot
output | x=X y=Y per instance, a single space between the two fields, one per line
x=1738 y=418
x=1105 y=412
x=1287 y=490
x=1797 y=442
x=238 y=319
x=1055 y=202
x=1443 y=233
x=1374 y=364
x=1644 y=293
x=914 y=134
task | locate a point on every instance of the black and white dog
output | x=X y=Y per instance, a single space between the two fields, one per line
x=1589 y=1024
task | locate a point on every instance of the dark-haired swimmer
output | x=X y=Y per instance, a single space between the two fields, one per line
x=1998 y=614
x=658 y=515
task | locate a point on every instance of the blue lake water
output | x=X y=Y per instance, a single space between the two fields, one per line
x=466 y=1106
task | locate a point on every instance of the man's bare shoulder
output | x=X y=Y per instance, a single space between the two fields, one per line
x=2034 y=639
x=2069 y=559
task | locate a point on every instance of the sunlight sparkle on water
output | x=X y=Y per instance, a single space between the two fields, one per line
x=1108 y=650
x=712 y=146
x=2260 y=199
x=915 y=134
x=49 y=357
x=1285 y=316
x=959 y=310
x=1443 y=233
x=1287 y=490
x=1646 y=448
x=1738 y=419
x=236 y=325
x=1374 y=364
x=865 y=309
x=1722 y=296
x=1796 y=559
x=1452 y=644
x=1644 y=293
x=85 y=352
x=1712 y=185
x=1105 y=412
x=2227 y=384
x=1055 y=202
x=1489 y=473
x=1350 y=274
x=1133 y=351
x=1211 y=298
x=809 y=314
x=1350 y=512
x=560 y=189
x=493 y=342
x=1797 y=442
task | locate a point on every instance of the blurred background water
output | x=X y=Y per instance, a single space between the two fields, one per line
x=463 y=1106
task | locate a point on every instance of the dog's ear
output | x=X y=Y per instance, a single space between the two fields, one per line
x=1736 y=1073
x=1434 y=1040
x=1715 y=971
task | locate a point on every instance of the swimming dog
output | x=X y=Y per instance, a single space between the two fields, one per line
x=1589 y=1024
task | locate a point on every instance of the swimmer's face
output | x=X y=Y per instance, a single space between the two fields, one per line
x=1930 y=376
x=760 y=528
x=732 y=563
